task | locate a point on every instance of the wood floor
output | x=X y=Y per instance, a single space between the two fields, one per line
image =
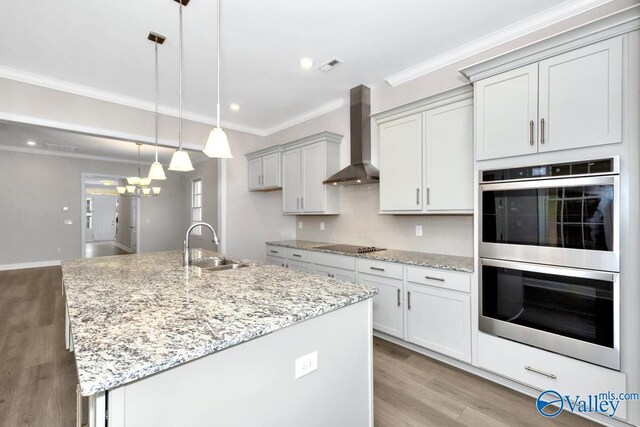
x=38 y=375
x=96 y=249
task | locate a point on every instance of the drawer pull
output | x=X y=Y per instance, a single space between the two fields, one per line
x=398 y=297
x=541 y=131
x=531 y=132
x=297 y=255
x=274 y=252
x=546 y=374
x=377 y=268
x=408 y=300
x=439 y=279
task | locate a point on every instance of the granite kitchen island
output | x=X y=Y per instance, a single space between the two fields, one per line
x=159 y=344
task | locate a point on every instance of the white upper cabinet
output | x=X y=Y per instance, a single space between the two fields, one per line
x=506 y=114
x=448 y=163
x=306 y=164
x=401 y=164
x=264 y=169
x=581 y=97
x=571 y=100
x=426 y=157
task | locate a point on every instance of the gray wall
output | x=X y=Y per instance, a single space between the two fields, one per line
x=208 y=172
x=34 y=188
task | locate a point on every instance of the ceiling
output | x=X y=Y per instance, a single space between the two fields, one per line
x=101 y=47
x=14 y=136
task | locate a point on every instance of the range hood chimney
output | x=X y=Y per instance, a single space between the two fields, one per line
x=360 y=171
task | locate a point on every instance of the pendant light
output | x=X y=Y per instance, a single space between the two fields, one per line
x=136 y=185
x=217 y=143
x=180 y=160
x=156 y=171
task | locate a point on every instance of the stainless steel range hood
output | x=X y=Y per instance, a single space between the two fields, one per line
x=360 y=171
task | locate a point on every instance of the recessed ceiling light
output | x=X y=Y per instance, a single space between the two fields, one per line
x=234 y=106
x=306 y=63
x=31 y=143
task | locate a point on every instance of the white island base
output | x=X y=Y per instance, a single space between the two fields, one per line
x=254 y=384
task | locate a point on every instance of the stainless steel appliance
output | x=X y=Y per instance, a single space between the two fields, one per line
x=549 y=258
x=351 y=249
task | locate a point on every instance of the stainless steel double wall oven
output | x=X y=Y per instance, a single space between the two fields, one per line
x=550 y=257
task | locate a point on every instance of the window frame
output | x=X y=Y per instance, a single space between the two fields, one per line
x=198 y=230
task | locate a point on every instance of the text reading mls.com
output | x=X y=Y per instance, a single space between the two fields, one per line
x=550 y=403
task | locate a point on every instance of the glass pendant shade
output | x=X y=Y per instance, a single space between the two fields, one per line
x=121 y=190
x=131 y=189
x=180 y=162
x=145 y=182
x=133 y=180
x=157 y=171
x=146 y=191
x=218 y=145
x=156 y=190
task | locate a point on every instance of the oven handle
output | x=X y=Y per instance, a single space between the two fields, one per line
x=550 y=183
x=558 y=271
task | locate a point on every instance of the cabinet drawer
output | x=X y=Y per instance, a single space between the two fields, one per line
x=335 y=273
x=276 y=251
x=276 y=261
x=537 y=368
x=336 y=261
x=305 y=267
x=381 y=268
x=299 y=255
x=440 y=278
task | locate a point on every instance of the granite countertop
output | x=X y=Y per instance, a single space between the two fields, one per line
x=421 y=259
x=135 y=315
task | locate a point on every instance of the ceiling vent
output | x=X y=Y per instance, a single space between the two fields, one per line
x=330 y=64
x=60 y=147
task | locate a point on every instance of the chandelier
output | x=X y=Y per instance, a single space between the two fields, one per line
x=137 y=185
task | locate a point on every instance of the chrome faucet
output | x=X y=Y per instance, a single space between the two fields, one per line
x=186 y=261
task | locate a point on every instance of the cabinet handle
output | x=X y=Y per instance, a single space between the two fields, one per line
x=297 y=202
x=259 y=179
x=531 y=124
x=274 y=252
x=297 y=255
x=417 y=196
x=398 y=297
x=408 y=300
x=301 y=202
x=428 y=195
x=439 y=279
x=546 y=374
x=377 y=268
x=283 y=264
x=541 y=131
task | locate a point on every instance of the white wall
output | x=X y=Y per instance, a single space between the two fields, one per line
x=208 y=172
x=34 y=188
x=252 y=217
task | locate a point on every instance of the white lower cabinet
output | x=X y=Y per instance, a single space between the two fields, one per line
x=335 y=273
x=388 y=305
x=276 y=261
x=544 y=370
x=440 y=320
x=305 y=267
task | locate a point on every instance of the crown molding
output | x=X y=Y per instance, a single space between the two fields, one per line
x=128 y=101
x=514 y=31
x=308 y=115
x=40 y=151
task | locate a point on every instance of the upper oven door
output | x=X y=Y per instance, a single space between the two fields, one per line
x=572 y=222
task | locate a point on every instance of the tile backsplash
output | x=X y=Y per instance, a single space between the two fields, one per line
x=360 y=223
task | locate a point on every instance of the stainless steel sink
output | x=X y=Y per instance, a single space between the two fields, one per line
x=218 y=264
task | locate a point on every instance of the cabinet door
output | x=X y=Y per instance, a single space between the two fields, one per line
x=305 y=267
x=271 y=170
x=439 y=320
x=291 y=178
x=336 y=273
x=581 y=97
x=401 y=164
x=313 y=173
x=255 y=173
x=387 y=304
x=449 y=157
x=507 y=113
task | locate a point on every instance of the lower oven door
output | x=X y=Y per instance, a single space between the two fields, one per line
x=565 y=310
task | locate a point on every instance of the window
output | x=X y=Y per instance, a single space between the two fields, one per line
x=89 y=213
x=196 y=204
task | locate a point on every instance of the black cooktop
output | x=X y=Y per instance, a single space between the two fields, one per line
x=351 y=249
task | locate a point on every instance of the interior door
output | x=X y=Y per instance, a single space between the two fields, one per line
x=134 y=225
x=271 y=170
x=291 y=179
x=581 y=97
x=104 y=217
x=449 y=157
x=313 y=173
x=507 y=114
x=255 y=173
x=401 y=164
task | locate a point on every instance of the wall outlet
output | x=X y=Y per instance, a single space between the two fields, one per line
x=419 y=230
x=306 y=364
x=58 y=250
x=68 y=222
x=299 y=225
x=322 y=226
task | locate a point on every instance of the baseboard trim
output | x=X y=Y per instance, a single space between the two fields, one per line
x=123 y=247
x=524 y=389
x=23 y=265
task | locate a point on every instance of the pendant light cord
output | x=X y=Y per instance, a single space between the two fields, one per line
x=156 y=98
x=218 y=59
x=180 y=85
